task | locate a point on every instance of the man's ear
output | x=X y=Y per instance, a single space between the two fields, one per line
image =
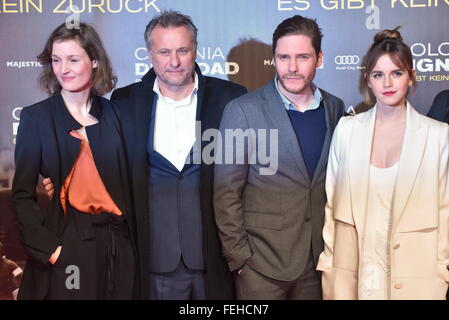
x=319 y=61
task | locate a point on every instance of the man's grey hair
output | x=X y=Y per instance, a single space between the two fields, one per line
x=170 y=19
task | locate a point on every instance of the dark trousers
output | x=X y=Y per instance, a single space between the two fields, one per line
x=251 y=285
x=100 y=265
x=180 y=284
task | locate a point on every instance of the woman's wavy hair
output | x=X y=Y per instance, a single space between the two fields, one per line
x=103 y=79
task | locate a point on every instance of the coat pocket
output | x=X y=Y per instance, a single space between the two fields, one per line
x=62 y=259
x=346 y=256
x=344 y=217
x=69 y=240
x=263 y=220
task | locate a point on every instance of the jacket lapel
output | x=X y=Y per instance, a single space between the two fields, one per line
x=204 y=113
x=359 y=164
x=143 y=105
x=330 y=125
x=413 y=145
x=287 y=136
x=200 y=95
x=69 y=146
x=102 y=152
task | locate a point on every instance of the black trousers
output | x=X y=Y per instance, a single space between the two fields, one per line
x=252 y=285
x=96 y=261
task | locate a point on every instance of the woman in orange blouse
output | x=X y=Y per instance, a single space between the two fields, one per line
x=81 y=246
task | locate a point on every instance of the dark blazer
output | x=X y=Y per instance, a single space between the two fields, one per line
x=135 y=102
x=440 y=107
x=44 y=147
x=440 y=111
x=270 y=222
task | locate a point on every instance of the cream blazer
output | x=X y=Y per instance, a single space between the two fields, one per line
x=419 y=243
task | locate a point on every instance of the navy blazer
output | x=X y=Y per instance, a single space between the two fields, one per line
x=135 y=103
x=44 y=147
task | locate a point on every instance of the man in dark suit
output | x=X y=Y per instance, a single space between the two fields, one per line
x=440 y=107
x=440 y=111
x=270 y=215
x=162 y=117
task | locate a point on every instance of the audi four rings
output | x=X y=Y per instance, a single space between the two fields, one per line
x=347 y=59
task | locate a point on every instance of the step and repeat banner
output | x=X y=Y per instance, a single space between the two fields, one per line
x=234 y=43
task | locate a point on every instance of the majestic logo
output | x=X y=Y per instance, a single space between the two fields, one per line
x=347 y=60
x=23 y=64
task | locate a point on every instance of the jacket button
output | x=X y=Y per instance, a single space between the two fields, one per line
x=397 y=246
x=398 y=286
x=307 y=219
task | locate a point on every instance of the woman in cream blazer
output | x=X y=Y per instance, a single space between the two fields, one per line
x=417 y=250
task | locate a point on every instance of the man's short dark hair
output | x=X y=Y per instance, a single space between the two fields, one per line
x=299 y=25
x=170 y=19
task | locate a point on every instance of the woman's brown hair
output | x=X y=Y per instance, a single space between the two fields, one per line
x=385 y=42
x=103 y=79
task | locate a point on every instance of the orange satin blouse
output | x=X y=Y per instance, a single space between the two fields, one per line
x=83 y=186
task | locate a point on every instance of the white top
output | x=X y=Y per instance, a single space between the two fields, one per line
x=375 y=261
x=174 y=126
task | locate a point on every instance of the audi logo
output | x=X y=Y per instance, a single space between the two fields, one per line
x=347 y=59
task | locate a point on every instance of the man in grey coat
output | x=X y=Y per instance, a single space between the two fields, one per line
x=269 y=194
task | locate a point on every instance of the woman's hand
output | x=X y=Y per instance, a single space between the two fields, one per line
x=48 y=185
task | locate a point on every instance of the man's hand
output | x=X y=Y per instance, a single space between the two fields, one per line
x=55 y=255
x=239 y=271
x=48 y=185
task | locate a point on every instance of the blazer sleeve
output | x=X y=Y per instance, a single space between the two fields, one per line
x=443 y=229
x=38 y=241
x=229 y=184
